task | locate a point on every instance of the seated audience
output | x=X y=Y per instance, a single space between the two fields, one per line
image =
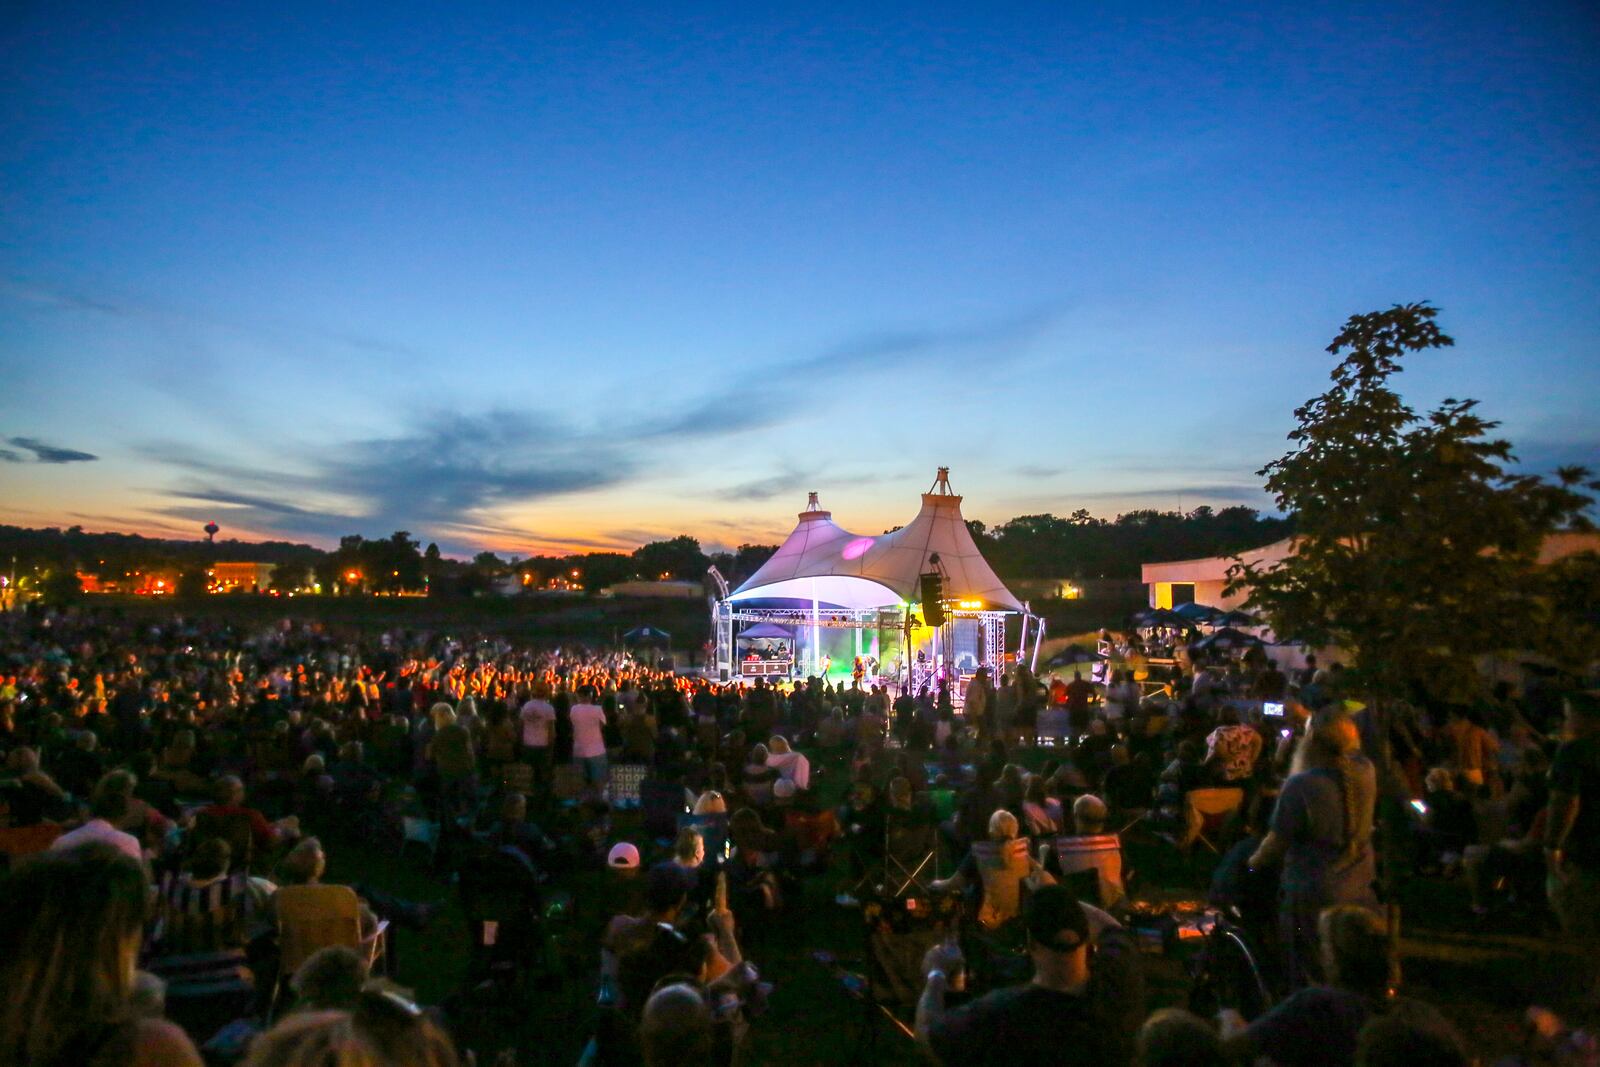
x=106 y=810
x=998 y=867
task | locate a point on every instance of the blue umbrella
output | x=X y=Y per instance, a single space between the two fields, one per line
x=1196 y=612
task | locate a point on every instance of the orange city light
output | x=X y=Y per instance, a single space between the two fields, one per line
x=352 y=576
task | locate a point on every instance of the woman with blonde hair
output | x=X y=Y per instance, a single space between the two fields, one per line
x=454 y=760
x=1321 y=832
x=1003 y=866
x=70 y=928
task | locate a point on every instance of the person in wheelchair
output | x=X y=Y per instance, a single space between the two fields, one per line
x=1083 y=1005
x=998 y=868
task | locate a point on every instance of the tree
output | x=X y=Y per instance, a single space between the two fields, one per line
x=1416 y=547
x=678 y=558
x=291 y=575
x=192 y=583
x=61 y=586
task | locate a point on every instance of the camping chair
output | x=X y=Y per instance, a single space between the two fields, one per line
x=1206 y=813
x=1099 y=854
x=315 y=917
x=622 y=783
x=910 y=856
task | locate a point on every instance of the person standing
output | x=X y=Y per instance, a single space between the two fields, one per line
x=1079 y=693
x=1321 y=832
x=538 y=718
x=588 y=738
x=1572 y=832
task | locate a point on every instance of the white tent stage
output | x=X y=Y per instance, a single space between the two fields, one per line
x=826 y=578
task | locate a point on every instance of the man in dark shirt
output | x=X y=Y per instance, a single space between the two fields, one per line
x=1076 y=1010
x=1572 y=832
x=1079 y=693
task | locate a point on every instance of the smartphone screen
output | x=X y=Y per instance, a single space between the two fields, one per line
x=1270 y=708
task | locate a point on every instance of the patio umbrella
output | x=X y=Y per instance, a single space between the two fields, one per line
x=1072 y=655
x=1228 y=639
x=646 y=633
x=1196 y=612
x=1237 y=618
x=1160 y=617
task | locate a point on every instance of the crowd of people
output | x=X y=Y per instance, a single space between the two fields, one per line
x=171 y=790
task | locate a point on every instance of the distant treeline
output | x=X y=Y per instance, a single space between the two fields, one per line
x=1030 y=546
x=1082 y=546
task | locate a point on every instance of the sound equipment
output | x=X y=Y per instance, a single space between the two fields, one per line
x=933 y=599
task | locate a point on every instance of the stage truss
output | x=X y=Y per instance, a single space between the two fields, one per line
x=958 y=664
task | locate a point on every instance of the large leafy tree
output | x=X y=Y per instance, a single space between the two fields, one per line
x=1417 y=544
x=678 y=558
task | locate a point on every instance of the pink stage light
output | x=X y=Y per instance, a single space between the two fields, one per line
x=857 y=548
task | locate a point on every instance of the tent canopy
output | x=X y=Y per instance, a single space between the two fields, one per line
x=822 y=561
x=768 y=629
x=646 y=633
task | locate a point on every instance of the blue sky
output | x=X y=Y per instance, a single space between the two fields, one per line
x=529 y=278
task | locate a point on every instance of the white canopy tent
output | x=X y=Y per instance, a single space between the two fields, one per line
x=823 y=574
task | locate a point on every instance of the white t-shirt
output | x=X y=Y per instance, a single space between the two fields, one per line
x=538 y=716
x=587 y=740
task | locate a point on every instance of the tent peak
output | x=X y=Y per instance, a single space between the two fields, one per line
x=941 y=484
x=814 y=509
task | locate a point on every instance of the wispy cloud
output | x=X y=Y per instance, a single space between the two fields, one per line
x=43 y=453
x=448 y=474
x=59 y=299
x=766 y=488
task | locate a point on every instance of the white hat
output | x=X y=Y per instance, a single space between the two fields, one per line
x=623 y=855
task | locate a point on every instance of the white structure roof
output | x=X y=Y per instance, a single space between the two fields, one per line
x=824 y=562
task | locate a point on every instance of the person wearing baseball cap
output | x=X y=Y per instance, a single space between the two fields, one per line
x=623 y=857
x=1082 y=1007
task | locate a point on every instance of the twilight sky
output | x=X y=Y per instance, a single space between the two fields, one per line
x=530 y=278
